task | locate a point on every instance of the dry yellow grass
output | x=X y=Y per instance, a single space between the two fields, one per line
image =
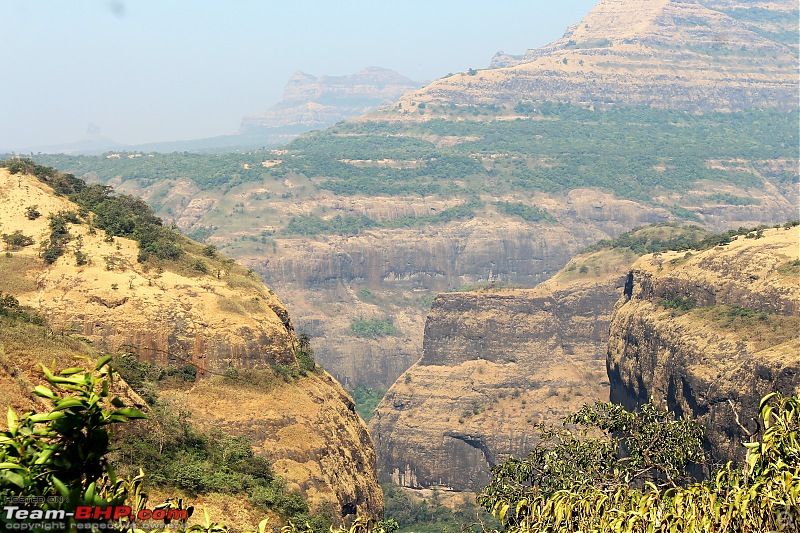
x=174 y=313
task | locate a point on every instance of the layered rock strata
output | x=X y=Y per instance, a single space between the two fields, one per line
x=493 y=364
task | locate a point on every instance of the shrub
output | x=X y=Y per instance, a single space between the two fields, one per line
x=64 y=452
x=32 y=212
x=586 y=485
x=305 y=354
x=17 y=240
x=372 y=329
x=679 y=303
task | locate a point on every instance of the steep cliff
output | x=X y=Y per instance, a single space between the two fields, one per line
x=709 y=334
x=202 y=310
x=494 y=363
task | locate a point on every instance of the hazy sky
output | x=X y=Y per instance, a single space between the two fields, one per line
x=158 y=70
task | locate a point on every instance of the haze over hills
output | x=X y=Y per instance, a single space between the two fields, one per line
x=364 y=223
x=316 y=103
x=309 y=103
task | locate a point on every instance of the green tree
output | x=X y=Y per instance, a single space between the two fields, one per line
x=635 y=482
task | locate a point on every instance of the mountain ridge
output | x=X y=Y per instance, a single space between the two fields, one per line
x=667 y=53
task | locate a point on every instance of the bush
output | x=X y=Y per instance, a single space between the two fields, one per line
x=372 y=329
x=305 y=354
x=679 y=303
x=587 y=485
x=17 y=240
x=32 y=213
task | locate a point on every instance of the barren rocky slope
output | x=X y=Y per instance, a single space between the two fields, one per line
x=215 y=317
x=710 y=333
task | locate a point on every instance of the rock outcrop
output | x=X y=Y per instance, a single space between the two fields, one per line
x=709 y=334
x=202 y=310
x=494 y=363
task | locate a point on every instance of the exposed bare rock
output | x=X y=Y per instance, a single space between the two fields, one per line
x=493 y=364
x=740 y=342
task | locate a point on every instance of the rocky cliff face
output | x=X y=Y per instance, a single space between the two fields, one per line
x=317 y=102
x=323 y=278
x=493 y=364
x=215 y=318
x=663 y=53
x=711 y=333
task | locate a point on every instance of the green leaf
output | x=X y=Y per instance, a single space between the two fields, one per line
x=766 y=399
x=130 y=412
x=46 y=417
x=60 y=487
x=13 y=420
x=70 y=371
x=11 y=466
x=45 y=455
x=44 y=392
x=14 y=478
x=68 y=403
x=103 y=361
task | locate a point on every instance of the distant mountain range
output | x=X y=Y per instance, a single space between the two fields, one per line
x=309 y=103
x=316 y=103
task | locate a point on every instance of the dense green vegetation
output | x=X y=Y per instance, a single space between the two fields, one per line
x=632 y=152
x=372 y=329
x=367 y=400
x=525 y=212
x=633 y=478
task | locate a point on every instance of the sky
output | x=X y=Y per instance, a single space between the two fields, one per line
x=140 y=71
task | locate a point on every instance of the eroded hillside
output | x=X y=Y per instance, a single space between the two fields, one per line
x=663 y=53
x=497 y=361
x=198 y=309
